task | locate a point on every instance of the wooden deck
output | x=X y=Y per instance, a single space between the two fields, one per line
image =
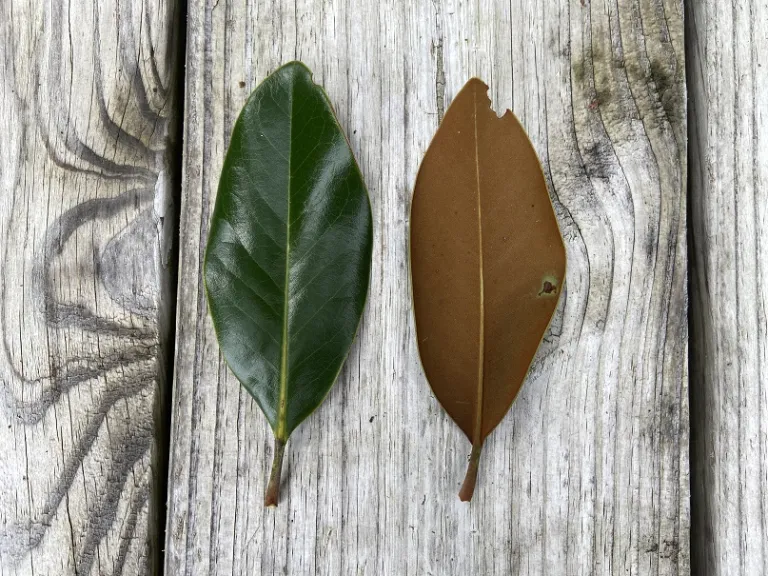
x=114 y=398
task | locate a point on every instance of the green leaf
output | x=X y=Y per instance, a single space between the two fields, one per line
x=289 y=251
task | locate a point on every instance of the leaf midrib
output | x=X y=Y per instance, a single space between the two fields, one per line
x=478 y=429
x=281 y=432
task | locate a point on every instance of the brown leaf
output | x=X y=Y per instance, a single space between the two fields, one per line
x=487 y=264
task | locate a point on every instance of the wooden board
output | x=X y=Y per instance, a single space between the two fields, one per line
x=728 y=135
x=86 y=107
x=589 y=472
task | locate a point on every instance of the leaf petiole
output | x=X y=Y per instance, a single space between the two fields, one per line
x=272 y=494
x=468 y=487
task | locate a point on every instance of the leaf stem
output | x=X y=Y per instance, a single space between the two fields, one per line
x=468 y=487
x=273 y=488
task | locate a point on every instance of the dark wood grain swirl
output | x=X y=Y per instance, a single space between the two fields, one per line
x=86 y=224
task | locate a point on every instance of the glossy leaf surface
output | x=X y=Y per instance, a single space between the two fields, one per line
x=289 y=251
x=487 y=263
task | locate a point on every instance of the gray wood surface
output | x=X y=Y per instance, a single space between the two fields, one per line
x=728 y=135
x=86 y=107
x=588 y=474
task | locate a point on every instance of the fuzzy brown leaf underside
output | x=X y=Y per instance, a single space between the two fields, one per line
x=487 y=264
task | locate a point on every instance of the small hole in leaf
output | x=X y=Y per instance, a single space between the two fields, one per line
x=548 y=288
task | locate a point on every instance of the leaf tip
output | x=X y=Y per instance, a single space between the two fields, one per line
x=481 y=87
x=295 y=67
x=475 y=81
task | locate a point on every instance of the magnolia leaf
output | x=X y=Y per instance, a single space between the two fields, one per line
x=289 y=252
x=487 y=264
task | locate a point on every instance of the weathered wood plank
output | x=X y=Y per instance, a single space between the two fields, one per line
x=589 y=472
x=728 y=78
x=86 y=106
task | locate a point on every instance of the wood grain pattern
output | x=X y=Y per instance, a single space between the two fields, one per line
x=86 y=106
x=728 y=78
x=589 y=472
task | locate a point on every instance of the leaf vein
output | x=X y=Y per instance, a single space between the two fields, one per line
x=328 y=227
x=244 y=283
x=247 y=252
x=298 y=330
x=255 y=322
